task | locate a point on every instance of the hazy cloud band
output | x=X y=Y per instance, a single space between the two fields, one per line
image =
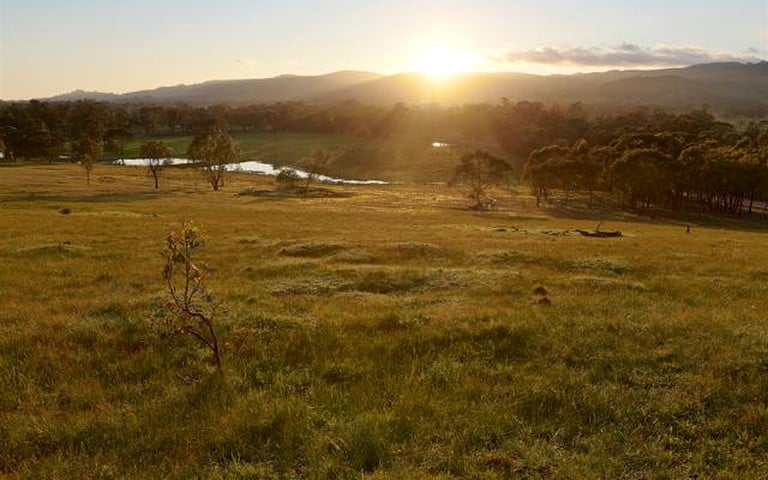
x=622 y=55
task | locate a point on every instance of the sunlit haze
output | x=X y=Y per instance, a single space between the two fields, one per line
x=440 y=62
x=49 y=47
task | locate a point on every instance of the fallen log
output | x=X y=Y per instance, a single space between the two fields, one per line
x=600 y=233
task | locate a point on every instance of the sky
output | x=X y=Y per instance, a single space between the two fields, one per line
x=49 y=47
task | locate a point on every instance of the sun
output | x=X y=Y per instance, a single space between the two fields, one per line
x=440 y=62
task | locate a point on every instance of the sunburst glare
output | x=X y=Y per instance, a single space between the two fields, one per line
x=440 y=62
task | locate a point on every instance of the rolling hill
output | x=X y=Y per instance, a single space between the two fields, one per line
x=726 y=87
x=237 y=92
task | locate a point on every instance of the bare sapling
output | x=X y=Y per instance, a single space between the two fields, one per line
x=191 y=308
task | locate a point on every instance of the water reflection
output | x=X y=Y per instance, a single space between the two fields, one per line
x=251 y=166
x=261 y=168
x=143 y=162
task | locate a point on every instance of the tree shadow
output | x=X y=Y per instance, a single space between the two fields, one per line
x=29 y=197
x=579 y=211
x=299 y=192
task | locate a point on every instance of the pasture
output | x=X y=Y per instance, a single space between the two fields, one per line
x=398 y=158
x=388 y=333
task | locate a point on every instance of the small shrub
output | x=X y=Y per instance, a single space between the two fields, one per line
x=287 y=179
x=190 y=309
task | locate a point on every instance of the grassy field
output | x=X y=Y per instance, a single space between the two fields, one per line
x=270 y=146
x=400 y=158
x=391 y=333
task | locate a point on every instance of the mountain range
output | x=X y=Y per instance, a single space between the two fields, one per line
x=737 y=88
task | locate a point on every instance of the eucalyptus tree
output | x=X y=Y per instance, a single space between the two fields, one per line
x=541 y=170
x=157 y=155
x=214 y=150
x=86 y=150
x=644 y=175
x=115 y=140
x=316 y=165
x=479 y=171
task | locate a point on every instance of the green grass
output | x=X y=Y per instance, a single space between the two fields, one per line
x=270 y=146
x=401 y=158
x=389 y=334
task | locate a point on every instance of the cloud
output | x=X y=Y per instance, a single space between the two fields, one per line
x=624 y=55
x=245 y=61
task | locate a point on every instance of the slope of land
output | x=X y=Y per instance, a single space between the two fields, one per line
x=392 y=333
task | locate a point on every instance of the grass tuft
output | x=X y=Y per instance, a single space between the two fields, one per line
x=312 y=249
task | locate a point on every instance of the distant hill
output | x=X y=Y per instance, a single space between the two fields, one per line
x=465 y=88
x=237 y=92
x=84 y=95
x=726 y=87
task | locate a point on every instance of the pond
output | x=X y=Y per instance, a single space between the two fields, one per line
x=251 y=166
x=261 y=168
x=143 y=162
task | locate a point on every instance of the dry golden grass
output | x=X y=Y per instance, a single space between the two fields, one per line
x=392 y=332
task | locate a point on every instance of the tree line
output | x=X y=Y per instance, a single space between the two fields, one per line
x=708 y=166
x=649 y=157
x=39 y=129
x=47 y=130
x=660 y=170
